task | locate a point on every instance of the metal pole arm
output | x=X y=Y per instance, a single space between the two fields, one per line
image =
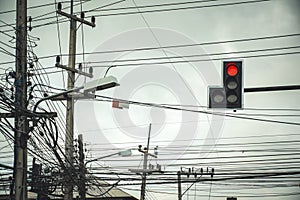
x=54 y=96
x=272 y=88
x=96 y=159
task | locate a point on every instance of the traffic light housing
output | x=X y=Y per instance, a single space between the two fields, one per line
x=233 y=83
x=230 y=95
x=217 y=97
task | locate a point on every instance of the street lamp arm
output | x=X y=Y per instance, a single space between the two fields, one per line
x=95 y=85
x=96 y=159
x=124 y=153
x=54 y=96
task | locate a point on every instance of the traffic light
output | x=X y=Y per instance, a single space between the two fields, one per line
x=233 y=83
x=230 y=95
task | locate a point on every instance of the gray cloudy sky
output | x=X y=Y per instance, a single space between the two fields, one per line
x=184 y=138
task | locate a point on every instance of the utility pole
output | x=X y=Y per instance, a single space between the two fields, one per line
x=192 y=172
x=69 y=138
x=21 y=122
x=144 y=174
x=70 y=110
x=179 y=185
x=145 y=169
x=81 y=186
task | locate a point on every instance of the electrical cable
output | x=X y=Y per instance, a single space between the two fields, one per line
x=199 y=111
x=182 y=8
x=184 y=46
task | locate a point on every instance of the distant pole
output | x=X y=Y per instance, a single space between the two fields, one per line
x=144 y=175
x=70 y=111
x=21 y=122
x=179 y=185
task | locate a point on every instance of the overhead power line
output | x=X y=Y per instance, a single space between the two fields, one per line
x=182 y=8
x=157 y=10
x=200 y=111
x=33 y=7
x=193 y=55
x=187 y=45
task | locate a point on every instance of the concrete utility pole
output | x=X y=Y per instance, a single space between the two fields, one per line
x=69 y=138
x=196 y=173
x=70 y=110
x=145 y=171
x=21 y=122
x=144 y=174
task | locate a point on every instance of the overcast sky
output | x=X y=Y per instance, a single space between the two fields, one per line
x=167 y=80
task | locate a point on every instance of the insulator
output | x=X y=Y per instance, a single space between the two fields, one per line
x=82 y=15
x=57 y=59
x=45 y=94
x=59 y=6
x=91 y=70
x=80 y=66
x=93 y=19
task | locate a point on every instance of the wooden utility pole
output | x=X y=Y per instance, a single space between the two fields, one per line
x=21 y=122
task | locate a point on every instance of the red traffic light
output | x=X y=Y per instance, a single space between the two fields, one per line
x=232 y=69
